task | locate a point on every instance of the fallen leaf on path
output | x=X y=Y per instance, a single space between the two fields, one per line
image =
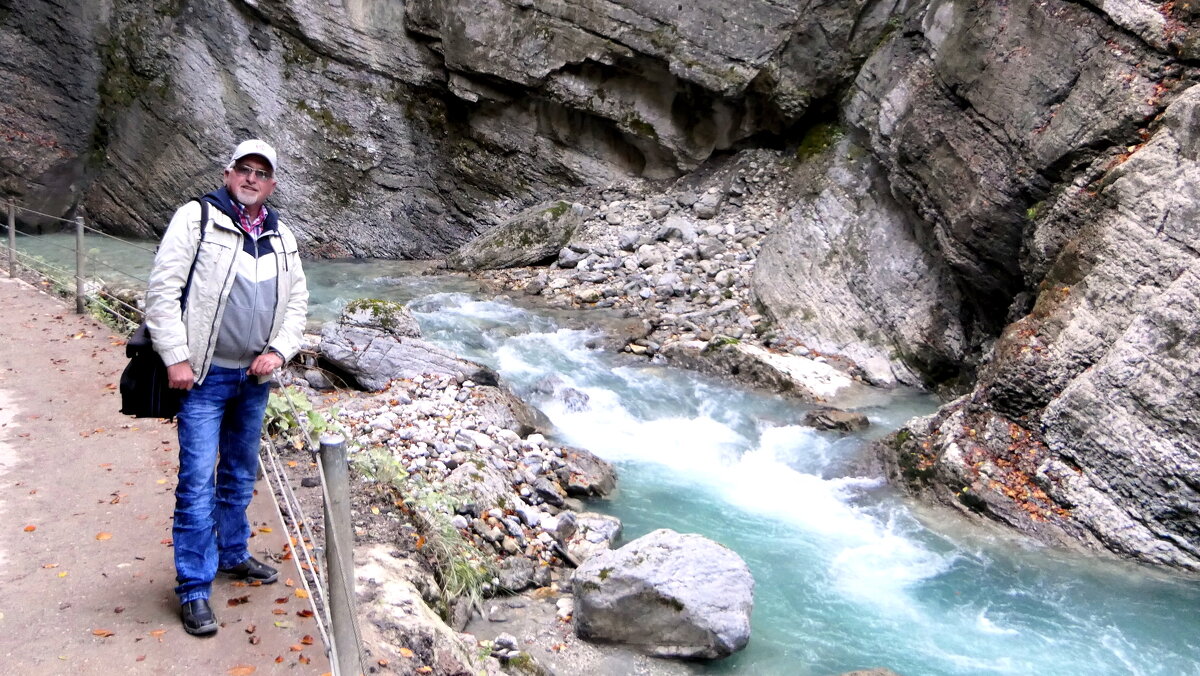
x=282 y=599
x=264 y=529
x=301 y=594
x=382 y=662
x=244 y=670
x=49 y=565
x=405 y=652
x=304 y=613
x=279 y=611
x=250 y=628
x=283 y=625
x=103 y=536
x=305 y=660
x=255 y=640
x=289 y=582
x=140 y=658
x=103 y=633
x=296 y=648
x=30 y=528
x=307 y=639
x=237 y=601
x=425 y=670
x=63 y=574
x=158 y=633
x=119 y=609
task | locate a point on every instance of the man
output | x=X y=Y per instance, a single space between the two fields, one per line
x=222 y=333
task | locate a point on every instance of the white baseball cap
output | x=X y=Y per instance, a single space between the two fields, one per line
x=255 y=147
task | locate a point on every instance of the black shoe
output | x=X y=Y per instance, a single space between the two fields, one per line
x=198 y=618
x=252 y=570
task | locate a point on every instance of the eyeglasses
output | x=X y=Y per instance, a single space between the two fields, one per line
x=245 y=171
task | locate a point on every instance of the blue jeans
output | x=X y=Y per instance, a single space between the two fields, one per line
x=219 y=429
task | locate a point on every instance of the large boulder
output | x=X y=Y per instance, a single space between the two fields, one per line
x=667 y=594
x=534 y=236
x=375 y=342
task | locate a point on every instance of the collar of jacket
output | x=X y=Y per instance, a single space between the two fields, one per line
x=221 y=199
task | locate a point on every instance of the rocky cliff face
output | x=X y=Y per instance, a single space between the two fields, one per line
x=991 y=195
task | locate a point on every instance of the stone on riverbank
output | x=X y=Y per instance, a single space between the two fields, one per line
x=533 y=236
x=668 y=594
x=376 y=342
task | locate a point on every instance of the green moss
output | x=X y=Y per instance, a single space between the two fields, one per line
x=672 y=603
x=121 y=82
x=605 y=572
x=326 y=119
x=640 y=127
x=818 y=139
x=557 y=210
x=386 y=312
x=718 y=342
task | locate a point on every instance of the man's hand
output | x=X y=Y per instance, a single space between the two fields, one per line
x=263 y=364
x=180 y=376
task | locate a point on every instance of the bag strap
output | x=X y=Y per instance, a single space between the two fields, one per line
x=203 y=226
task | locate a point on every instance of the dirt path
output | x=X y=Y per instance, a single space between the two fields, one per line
x=86 y=495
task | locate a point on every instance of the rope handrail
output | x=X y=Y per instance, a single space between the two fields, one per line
x=34 y=211
x=51 y=243
x=331 y=533
x=119 y=239
x=114 y=268
x=279 y=485
x=43 y=263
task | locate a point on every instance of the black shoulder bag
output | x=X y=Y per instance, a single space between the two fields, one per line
x=145 y=391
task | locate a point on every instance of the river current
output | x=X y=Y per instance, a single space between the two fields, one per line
x=848 y=574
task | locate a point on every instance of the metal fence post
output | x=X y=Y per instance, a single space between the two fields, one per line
x=339 y=555
x=12 y=238
x=80 y=301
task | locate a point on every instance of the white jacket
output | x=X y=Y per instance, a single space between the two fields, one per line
x=192 y=337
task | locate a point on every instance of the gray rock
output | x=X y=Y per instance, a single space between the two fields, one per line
x=709 y=205
x=590 y=476
x=668 y=594
x=374 y=355
x=834 y=419
x=569 y=258
x=534 y=236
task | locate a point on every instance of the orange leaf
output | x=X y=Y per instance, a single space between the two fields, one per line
x=278 y=611
x=103 y=633
x=279 y=660
x=289 y=582
x=30 y=529
x=405 y=652
x=296 y=648
x=264 y=529
x=305 y=660
x=425 y=670
x=282 y=599
x=49 y=565
x=304 y=613
x=243 y=670
x=301 y=594
x=103 y=536
x=238 y=601
x=307 y=639
x=157 y=633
